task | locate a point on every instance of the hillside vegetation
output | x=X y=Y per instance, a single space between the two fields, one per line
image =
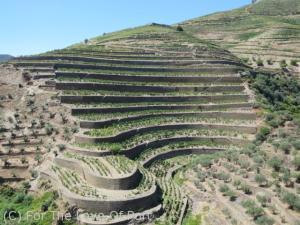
x=263 y=34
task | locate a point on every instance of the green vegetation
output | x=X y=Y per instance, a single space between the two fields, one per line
x=277 y=93
x=18 y=200
x=191 y=219
x=118 y=127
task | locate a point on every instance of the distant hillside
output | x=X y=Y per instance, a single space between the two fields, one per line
x=268 y=29
x=4 y=58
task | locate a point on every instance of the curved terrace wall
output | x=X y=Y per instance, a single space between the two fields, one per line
x=225 y=115
x=179 y=152
x=127 y=99
x=130 y=133
x=135 y=151
x=136 y=203
x=126 y=182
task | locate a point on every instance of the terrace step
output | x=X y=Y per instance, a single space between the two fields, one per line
x=86 y=166
x=227 y=69
x=234 y=78
x=183 y=62
x=144 y=88
x=124 y=109
x=135 y=151
x=76 y=191
x=44 y=76
x=129 y=133
x=71 y=99
x=179 y=152
x=226 y=115
x=157 y=56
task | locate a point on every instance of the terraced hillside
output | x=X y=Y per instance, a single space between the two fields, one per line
x=266 y=33
x=141 y=96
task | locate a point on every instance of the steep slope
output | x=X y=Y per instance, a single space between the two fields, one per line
x=267 y=30
x=141 y=96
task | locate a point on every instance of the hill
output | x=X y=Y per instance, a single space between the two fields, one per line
x=5 y=58
x=267 y=30
x=155 y=123
x=141 y=97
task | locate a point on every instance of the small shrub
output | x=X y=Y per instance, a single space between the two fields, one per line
x=179 y=28
x=263 y=134
x=246 y=189
x=49 y=129
x=296 y=144
x=296 y=162
x=262 y=199
x=19 y=198
x=283 y=64
x=237 y=183
x=261 y=180
x=61 y=147
x=275 y=163
x=232 y=195
x=285 y=147
x=259 y=62
x=270 y=61
x=224 y=188
x=255 y=212
x=264 y=220
x=294 y=62
x=291 y=199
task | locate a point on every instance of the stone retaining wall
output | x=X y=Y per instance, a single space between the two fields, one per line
x=130 y=133
x=137 y=150
x=145 y=88
x=71 y=99
x=152 y=78
x=126 y=182
x=224 y=115
x=179 y=152
x=34 y=64
x=223 y=69
x=76 y=111
x=129 y=62
x=137 y=203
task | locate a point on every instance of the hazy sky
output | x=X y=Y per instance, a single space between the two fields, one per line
x=35 y=26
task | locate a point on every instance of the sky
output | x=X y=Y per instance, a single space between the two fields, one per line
x=35 y=26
